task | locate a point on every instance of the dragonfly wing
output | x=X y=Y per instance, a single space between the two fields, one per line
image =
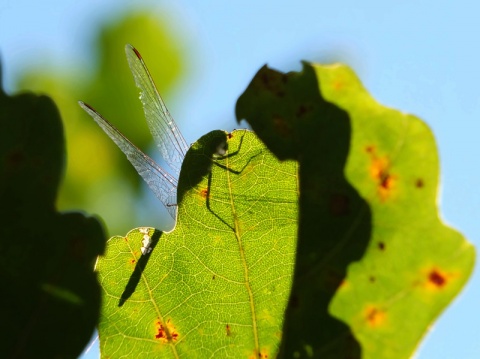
x=160 y=182
x=165 y=132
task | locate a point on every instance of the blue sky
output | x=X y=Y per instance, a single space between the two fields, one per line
x=418 y=56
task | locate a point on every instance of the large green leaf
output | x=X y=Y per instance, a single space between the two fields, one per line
x=50 y=297
x=414 y=265
x=372 y=251
x=217 y=286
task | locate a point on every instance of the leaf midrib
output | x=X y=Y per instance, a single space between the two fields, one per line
x=244 y=261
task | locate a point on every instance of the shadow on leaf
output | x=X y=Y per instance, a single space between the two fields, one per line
x=289 y=114
x=139 y=268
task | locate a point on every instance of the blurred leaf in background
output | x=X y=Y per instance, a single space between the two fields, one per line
x=50 y=296
x=99 y=178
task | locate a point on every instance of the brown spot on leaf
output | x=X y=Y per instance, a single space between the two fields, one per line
x=272 y=81
x=375 y=316
x=261 y=355
x=265 y=79
x=303 y=110
x=380 y=171
x=437 y=278
x=166 y=333
x=386 y=181
x=228 y=330
x=379 y=168
x=173 y=332
x=174 y=336
x=204 y=193
x=161 y=333
x=419 y=183
x=381 y=246
x=372 y=279
x=230 y=135
x=370 y=149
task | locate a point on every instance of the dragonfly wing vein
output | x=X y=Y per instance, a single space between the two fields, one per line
x=163 y=185
x=165 y=132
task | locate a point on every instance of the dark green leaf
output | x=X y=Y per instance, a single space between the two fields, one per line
x=50 y=296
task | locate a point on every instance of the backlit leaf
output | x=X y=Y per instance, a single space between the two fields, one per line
x=216 y=286
x=375 y=265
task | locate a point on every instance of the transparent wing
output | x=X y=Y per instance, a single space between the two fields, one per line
x=161 y=182
x=168 y=138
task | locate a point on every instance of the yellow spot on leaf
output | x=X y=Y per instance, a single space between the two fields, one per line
x=375 y=316
x=337 y=85
x=380 y=172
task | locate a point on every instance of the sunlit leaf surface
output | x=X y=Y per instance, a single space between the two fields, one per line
x=216 y=286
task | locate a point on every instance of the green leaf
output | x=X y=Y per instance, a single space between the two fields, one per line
x=50 y=295
x=414 y=265
x=372 y=251
x=219 y=283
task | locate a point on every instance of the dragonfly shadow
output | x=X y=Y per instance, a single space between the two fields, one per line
x=231 y=170
x=138 y=271
x=290 y=115
x=199 y=160
x=212 y=150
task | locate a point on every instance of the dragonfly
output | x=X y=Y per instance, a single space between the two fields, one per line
x=167 y=137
